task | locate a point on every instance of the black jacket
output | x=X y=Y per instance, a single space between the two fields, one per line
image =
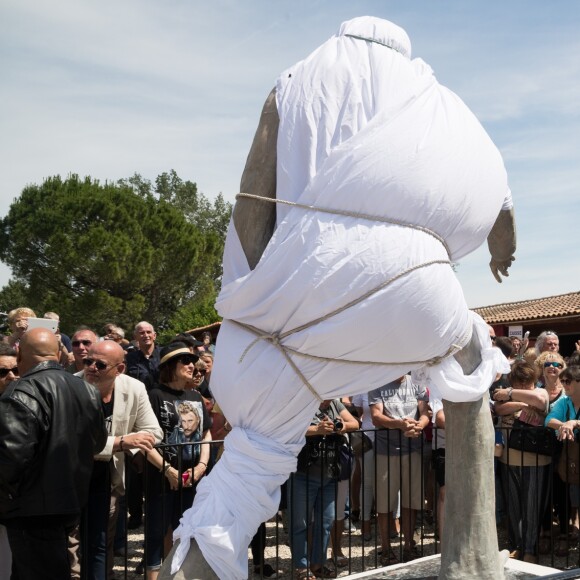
x=51 y=426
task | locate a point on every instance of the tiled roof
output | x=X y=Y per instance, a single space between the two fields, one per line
x=539 y=309
x=214 y=326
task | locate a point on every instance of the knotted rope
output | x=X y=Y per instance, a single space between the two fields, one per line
x=276 y=338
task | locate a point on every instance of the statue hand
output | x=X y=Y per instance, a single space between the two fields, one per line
x=500 y=267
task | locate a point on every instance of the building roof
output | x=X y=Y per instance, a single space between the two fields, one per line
x=562 y=306
x=213 y=327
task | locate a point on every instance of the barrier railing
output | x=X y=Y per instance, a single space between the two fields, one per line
x=344 y=505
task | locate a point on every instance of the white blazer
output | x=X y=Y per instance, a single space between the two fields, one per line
x=132 y=413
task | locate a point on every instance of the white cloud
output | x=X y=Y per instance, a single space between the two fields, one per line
x=111 y=88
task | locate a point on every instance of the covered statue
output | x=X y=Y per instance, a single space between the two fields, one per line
x=366 y=180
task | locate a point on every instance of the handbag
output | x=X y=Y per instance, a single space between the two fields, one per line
x=538 y=440
x=360 y=442
x=569 y=462
x=345 y=461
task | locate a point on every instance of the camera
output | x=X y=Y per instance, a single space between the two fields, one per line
x=338 y=424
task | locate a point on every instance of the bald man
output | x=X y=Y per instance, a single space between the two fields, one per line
x=131 y=426
x=51 y=426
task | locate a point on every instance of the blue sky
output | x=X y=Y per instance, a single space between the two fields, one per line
x=115 y=87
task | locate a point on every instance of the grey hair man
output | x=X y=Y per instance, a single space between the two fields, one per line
x=547 y=341
x=115 y=333
x=143 y=363
x=132 y=427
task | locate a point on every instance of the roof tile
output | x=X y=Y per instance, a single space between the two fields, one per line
x=537 y=309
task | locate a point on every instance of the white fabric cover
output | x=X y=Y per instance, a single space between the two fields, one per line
x=365 y=129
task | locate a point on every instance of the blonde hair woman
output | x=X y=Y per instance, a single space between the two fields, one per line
x=18 y=323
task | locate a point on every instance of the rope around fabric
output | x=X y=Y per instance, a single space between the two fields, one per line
x=275 y=338
x=347 y=213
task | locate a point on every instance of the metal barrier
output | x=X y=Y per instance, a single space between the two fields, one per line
x=532 y=501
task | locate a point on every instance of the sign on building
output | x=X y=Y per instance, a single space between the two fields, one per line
x=516 y=331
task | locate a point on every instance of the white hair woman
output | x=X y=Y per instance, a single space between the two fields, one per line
x=547 y=341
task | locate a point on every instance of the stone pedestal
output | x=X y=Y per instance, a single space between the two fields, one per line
x=470 y=548
x=428 y=569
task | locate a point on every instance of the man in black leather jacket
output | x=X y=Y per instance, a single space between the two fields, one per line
x=51 y=426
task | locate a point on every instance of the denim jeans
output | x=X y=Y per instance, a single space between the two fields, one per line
x=311 y=498
x=100 y=521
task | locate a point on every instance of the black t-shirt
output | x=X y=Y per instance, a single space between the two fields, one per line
x=101 y=477
x=166 y=406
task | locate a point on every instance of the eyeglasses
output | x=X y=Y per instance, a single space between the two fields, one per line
x=77 y=343
x=552 y=364
x=568 y=382
x=4 y=372
x=99 y=364
x=187 y=359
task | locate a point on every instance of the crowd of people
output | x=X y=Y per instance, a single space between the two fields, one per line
x=151 y=430
x=397 y=467
x=153 y=403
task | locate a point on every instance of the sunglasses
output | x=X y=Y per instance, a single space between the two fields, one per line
x=198 y=372
x=4 y=372
x=552 y=364
x=99 y=364
x=77 y=343
x=493 y=338
x=187 y=359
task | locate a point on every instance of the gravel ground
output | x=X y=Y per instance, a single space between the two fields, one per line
x=360 y=557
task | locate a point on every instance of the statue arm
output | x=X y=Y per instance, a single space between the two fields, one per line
x=255 y=220
x=502 y=243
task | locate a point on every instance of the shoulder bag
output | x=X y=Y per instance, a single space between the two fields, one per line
x=569 y=462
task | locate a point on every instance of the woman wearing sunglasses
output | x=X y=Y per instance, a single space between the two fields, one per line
x=165 y=506
x=550 y=365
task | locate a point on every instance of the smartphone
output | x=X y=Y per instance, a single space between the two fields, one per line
x=48 y=323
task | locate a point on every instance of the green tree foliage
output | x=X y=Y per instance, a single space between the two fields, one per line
x=115 y=252
x=13 y=295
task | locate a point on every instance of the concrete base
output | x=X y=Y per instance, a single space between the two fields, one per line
x=428 y=569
